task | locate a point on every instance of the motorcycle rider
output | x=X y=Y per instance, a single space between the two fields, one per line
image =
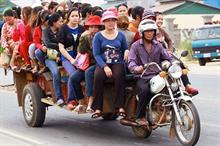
x=144 y=51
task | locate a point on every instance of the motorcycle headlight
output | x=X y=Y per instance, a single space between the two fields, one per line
x=175 y=71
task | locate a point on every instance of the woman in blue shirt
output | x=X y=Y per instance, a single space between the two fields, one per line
x=68 y=42
x=110 y=51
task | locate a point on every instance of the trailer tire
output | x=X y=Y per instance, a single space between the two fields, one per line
x=34 y=110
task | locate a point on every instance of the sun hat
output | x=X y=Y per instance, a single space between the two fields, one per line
x=93 y=20
x=108 y=15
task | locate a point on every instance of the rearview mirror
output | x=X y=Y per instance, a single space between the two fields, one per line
x=184 y=53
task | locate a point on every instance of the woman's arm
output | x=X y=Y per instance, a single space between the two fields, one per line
x=46 y=37
x=65 y=53
x=96 y=44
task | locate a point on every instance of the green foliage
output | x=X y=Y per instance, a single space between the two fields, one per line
x=187 y=45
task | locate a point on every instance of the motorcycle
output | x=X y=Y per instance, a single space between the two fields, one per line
x=170 y=105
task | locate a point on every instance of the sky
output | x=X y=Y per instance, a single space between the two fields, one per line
x=33 y=3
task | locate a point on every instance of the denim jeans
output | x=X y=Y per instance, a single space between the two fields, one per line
x=31 y=51
x=40 y=55
x=70 y=69
x=89 y=77
x=52 y=65
x=75 y=80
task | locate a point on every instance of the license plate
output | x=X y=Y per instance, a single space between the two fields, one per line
x=207 y=55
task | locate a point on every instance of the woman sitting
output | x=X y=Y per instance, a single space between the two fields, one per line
x=85 y=47
x=109 y=50
x=50 y=40
x=68 y=42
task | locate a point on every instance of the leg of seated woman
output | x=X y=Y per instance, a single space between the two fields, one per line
x=70 y=69
x=89 y=77
x=52 y=65
x=99 y=79
x=40 y=55
x=118 y=72
x=76 y=79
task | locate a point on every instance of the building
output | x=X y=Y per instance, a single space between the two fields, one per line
x=131 y=3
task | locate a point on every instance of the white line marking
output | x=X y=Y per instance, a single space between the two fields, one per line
x=20 y=137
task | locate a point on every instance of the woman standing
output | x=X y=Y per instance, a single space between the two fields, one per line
x=68 y=42
x=109 y=50
x=50 y=40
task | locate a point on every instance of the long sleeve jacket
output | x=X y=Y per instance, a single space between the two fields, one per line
x=138 y=56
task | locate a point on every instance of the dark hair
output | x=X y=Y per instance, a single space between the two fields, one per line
x=42 y=17
x=158 y=13
x=96 y=8
x=53 y=18
x=77 y=5
x=52 y=5
x=17 y=11
x=129 y=11
x=86 y=10
x=9 y=12
x=70 y=11
x=137 y=11
x=123 y=4
x=97 y=13
x=34 y=14
x=26 y=13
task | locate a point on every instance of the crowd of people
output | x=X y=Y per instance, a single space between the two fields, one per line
x=92 y=45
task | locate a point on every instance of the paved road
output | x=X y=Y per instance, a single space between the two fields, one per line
x=63 y=128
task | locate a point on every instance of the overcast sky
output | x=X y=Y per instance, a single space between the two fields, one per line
x=33 y=3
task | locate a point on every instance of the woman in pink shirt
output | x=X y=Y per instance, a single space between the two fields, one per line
x=6 y=35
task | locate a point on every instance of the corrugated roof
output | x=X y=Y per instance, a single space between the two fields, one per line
x=166 y=6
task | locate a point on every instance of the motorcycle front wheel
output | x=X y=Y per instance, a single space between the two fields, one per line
x=189 y=132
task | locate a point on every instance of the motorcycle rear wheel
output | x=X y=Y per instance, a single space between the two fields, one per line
x=140 y=131
x=188 y=134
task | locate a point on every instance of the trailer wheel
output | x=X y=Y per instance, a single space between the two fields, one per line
x=33 y=109
x=202 y=62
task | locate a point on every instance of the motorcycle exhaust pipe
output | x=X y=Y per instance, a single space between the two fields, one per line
x=128 y=122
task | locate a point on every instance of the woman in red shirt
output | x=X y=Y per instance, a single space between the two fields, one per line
x=23 y=40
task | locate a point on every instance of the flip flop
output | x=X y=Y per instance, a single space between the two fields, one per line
x=96 y=115
x=80 y=109
x=122 y=114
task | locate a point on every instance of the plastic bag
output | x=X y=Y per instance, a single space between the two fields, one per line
x=82 y=61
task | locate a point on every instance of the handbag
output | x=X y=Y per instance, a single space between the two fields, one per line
x=52 y=54
x=4 y=59
x=82 y=61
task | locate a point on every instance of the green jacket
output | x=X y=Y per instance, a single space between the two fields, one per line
x=85 y=46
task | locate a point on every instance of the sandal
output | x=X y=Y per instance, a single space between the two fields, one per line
x=96 y=115
x=71 y=105
x=80 y=109
x=121 y=113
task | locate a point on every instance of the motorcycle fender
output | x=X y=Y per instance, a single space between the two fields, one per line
x=186 y=98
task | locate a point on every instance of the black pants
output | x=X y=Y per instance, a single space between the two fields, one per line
x=185 y=80
x=118 y=75
x=144 y=96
